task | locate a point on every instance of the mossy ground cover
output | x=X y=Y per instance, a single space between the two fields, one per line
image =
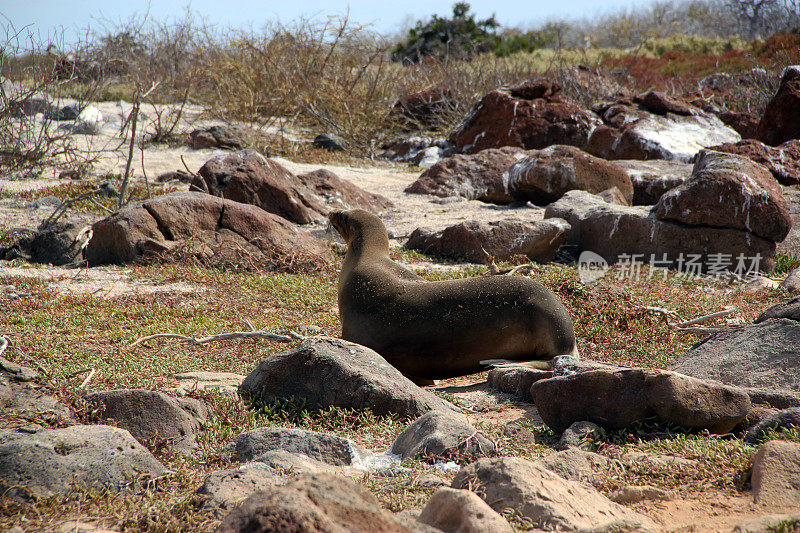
x=65 y=334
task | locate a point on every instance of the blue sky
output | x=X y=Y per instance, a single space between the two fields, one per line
x=46 y=16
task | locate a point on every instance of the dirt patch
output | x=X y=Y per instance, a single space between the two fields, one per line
x=710 y=512
x=102 y=282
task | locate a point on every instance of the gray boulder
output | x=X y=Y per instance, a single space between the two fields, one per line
x=227 y=137
x=516 y=380
x=322 y=503
x=577 y=435
x=616 y=232
x=791 y=283
x=21 y=395
x=637 y=493
x=760 y=355
x=576 y=465
x=775 y=398
x=54 y=461
x=330 y=142
x=789 y=310
x=652 y=178
x=329 y=449
x=544 y=176
x=57 y=244
x=776 y=474
x=153 y=418
x=333 y=372
x=441 y=434
x=300 y=463
x=546 y=499
x=221 y=491
x=784 y=419
x=462 y=511
x=616 y=399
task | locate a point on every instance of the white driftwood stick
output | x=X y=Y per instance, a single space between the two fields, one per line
x=291 y=336
x=519 y=268
x=88 y=378
x=659 y=310
x=700 y=331
x=706 y=318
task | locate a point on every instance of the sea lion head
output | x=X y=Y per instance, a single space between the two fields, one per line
x=360 y=229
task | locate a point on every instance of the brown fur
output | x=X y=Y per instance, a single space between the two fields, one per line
x=438 y=329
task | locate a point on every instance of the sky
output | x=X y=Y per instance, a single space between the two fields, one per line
x=46 y=18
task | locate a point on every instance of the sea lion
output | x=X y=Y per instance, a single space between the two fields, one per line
x=438 y=329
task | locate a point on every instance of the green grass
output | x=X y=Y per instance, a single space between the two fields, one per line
x=791 y=433
x=790 y=525
x=786 y=262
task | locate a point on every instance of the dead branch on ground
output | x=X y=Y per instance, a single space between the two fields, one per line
x=284 y=335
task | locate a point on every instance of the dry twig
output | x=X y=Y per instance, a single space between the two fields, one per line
x=277 y=336
x=706 y=318
x=688 y=326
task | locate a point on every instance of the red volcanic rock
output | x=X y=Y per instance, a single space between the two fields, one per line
x=783 y=161
x=602 y=141
x=545 y=175
x=661 y=104
x=729 y=191
x=478 y=242
x=482 y=176
x=531 y=116
x=745 y=124
x=655 y=126
x=341 y=194
x=781 y=120
x=161 y=223
x=618 y=232
x=652 y=178
x=250 y=178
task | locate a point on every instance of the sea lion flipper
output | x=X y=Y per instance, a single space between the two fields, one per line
x=507 y=363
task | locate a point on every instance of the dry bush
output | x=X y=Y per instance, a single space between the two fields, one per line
x=32 y=90
x=331 y=76
x=157 y=58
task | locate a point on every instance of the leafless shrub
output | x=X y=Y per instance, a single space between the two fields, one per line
x=32 y=92
x=332 y=76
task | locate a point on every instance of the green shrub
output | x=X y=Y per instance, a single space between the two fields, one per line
x=458 y=37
